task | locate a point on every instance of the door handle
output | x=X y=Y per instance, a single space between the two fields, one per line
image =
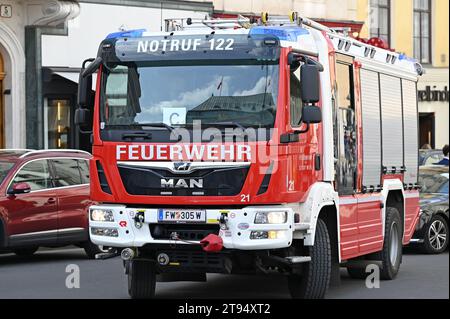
x=51 y=201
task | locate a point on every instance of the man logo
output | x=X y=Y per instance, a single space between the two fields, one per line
x=182 y=166
x=181 y=183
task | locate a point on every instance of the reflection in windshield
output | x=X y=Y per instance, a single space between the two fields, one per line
x=178 y=95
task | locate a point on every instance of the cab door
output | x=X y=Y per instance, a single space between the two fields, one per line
x=33 y=216
x=345 y=148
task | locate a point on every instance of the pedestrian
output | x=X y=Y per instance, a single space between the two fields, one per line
x=444 y=161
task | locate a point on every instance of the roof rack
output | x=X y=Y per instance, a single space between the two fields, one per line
x=232 y=23
x=292 y=18
x=13 y=150
x=34 y=152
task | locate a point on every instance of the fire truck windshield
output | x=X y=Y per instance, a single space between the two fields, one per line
x=241 y=94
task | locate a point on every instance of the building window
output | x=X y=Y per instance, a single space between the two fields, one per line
x=380 y=19
x=422 y=30
x=58 y=123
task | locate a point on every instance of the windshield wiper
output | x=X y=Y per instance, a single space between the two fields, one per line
x=162 y=125
x=137 y=135
x=139 y=125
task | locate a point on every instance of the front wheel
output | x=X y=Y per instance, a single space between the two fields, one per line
x=141 y=279
x=315 y=278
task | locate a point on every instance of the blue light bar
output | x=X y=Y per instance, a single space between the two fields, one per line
x=282 y=33
x=403 y=56
x=126 y=34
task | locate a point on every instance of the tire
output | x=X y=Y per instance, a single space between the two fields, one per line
x=26 y=252
x=357 y=272
x=315 y=278
x=141 y=279
x=91 y=249
x=436 y=236
x=391 y=255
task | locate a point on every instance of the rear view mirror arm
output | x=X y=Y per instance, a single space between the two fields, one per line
x=301 y=57
x=92 y=67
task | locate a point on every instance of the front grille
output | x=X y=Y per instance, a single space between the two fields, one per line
x=215 y=181
x=183 y=231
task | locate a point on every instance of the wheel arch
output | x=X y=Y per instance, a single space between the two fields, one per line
x=394 y=196
x=443 y=215
x=321 y=203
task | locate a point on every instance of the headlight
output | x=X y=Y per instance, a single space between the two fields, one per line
x=101 y=215
x=270 y=218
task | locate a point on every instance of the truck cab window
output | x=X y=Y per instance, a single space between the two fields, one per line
x=296 y=99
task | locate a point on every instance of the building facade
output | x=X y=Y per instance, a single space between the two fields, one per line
x=420 y=29
x=43 y=44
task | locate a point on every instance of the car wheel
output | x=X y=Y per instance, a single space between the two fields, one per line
x=141 y=279
x=315 y=278
x=91 y=249
x=436 y=236
x=26 y=252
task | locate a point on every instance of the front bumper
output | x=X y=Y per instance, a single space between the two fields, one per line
x=240 y=224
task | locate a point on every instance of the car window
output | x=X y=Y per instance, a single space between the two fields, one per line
x=431 y=182
x=66 y=172
x=444 y=189
x=84 y=169
x=36 y=174
x=5 y=167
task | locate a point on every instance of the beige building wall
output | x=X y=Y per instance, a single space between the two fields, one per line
x=323 y=9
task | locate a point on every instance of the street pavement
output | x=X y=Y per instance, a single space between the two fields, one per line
x=44 y=276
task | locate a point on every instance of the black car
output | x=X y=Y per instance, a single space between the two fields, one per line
x=430 y=157
x=432 y=229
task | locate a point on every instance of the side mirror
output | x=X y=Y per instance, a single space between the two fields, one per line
x=311 y=114
x=84 y=90
x=310 y=83
x=83 y=117
x=20 y=188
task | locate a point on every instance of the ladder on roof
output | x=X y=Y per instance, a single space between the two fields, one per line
x=243 y=22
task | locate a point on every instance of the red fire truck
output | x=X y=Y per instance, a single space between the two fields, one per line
x=240 y=147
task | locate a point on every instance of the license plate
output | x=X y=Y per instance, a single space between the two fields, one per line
x=181 y=216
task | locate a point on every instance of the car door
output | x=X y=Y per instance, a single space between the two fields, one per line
x=33 y=216
x=72 y=191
